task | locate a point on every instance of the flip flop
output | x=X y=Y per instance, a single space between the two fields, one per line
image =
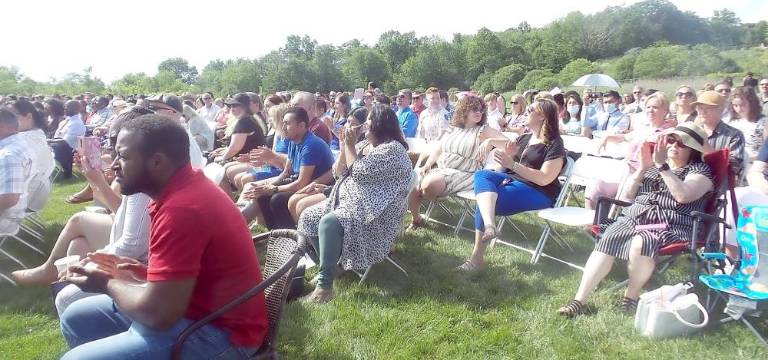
x=77 y=199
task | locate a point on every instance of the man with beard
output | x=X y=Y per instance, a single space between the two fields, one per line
x=194 y=268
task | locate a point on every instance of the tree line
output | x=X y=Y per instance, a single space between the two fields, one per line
x=649 y=39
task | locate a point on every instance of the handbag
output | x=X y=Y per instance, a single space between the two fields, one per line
x=670 y=311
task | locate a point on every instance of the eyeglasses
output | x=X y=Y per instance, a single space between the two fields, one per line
x=672 y=140
x=514 y=102
x=684 y=94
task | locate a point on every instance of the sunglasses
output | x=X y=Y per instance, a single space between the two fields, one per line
x=155 y=108
x=513 y=102
x=671 y=140
x=684 y=94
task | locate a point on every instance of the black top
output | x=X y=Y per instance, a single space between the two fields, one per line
x=534 y=156
x=247 y=125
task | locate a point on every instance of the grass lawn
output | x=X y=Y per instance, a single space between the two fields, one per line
x=505 y=311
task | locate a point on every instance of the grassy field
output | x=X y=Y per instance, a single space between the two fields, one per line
x=506 y=311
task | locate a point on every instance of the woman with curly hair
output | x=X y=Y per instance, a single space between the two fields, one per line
x=458 y=155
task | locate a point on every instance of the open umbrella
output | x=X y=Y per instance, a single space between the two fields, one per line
x=596 y=80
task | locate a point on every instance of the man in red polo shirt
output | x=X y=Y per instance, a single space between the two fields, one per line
x=200 y=257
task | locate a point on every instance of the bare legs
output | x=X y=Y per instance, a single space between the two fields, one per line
x=299 y=202
x=432 y=186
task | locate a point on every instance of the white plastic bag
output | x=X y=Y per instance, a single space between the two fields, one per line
x=669 y=311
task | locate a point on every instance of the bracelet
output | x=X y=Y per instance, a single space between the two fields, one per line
x=514 y=166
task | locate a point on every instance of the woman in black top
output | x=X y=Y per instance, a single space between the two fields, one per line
x=246 y=135
x=529 y=181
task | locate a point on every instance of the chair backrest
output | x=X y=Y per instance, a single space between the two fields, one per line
x=282 y=247
x=214 y=172
x=723 y=181
x=565 y=178
x=284 y=250
x=39 y=192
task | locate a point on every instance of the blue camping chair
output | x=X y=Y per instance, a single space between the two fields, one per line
x=748 y=282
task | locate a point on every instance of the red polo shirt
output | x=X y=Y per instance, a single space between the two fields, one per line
x=317 y=127
x=198 y=233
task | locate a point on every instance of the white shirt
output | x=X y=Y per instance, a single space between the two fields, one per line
x=493 y=119
x=42 y=158
x=197 y=126
x=432 y=125
x=130 y=230
x=70 y=129
x=195 y=155
x=209 y=114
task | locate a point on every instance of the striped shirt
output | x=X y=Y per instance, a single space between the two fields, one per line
x=726 y=136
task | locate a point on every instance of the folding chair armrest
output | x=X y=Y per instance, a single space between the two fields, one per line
x=607 y=201
x=257 y=239
x=700 y=216
x=261 y=287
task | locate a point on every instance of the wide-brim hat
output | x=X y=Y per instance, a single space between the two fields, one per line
x=691 y=135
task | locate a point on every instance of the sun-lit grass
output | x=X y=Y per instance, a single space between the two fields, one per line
x=505 y=311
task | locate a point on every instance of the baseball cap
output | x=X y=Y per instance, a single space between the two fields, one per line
x=168 y=99
x=240 y=99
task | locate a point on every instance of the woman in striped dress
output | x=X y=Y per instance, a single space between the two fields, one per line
x=457 y=156
x=668 y=185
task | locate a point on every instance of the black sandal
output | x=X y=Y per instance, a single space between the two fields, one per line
x=628 y=305
x=574 y=308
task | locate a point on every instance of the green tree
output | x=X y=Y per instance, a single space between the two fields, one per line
x=180 y=69
x=397 y=47
x=328 y=68
x=576 y=69
x=725 y=27
x=365 y=64
x=506 y=78
x=134 y=83
x=533 y=78
x=484 y=53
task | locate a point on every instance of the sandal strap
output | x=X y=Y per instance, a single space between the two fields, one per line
x=628 y=304
x=575 y=307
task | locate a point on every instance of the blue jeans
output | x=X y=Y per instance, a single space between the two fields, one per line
x=96 y=329
x=514 y=197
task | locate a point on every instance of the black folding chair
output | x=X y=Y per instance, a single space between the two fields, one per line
x=284 y=249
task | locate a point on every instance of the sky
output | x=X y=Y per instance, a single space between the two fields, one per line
x=49 y=38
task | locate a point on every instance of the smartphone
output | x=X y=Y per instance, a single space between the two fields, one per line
x=90 y=147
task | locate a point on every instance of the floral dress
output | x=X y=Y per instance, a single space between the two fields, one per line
x=371 y=205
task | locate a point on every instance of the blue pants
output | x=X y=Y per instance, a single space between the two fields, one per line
x=261 y=173
x=96 y=329
x=514 y=197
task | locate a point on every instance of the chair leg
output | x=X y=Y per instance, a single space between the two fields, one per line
x=754 y=331
x=8 y=279
x=365 y=275
x=393 y=262
x=8 y=255
x=28 y=245
x=540 y=245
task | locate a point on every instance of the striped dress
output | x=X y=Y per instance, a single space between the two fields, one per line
x=460 y=159
x=653 y=204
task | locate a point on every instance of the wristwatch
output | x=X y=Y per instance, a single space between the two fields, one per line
x=662 y=167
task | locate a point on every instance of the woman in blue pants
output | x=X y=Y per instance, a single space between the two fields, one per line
x=531 y=165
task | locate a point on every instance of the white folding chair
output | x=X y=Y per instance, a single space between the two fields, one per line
x=214 y=172
x=538 y=251
x=585 y=169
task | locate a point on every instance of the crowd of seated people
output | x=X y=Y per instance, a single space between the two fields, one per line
x=337 y=168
